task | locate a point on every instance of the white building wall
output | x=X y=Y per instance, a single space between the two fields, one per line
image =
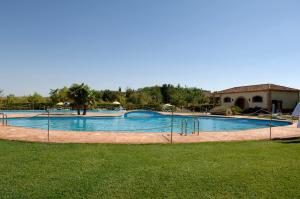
x=289 y=99
x=248 y=96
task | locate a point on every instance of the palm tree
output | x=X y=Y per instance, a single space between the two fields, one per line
x=90 y=101
x=80 y=94
x=54 y=95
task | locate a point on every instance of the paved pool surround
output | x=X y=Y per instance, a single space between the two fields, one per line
x=38 y=135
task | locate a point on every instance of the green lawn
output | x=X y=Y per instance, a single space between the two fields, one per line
x=256 y=169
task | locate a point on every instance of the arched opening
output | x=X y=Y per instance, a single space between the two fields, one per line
x=241 y=102
x=257 y=99
x=227 y=100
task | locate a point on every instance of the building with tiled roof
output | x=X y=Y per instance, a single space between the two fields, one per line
x=266 y=96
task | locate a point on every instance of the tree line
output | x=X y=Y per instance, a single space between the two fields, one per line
x=81 y=96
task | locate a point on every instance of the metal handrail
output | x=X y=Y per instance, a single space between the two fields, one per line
x=172 y=126
x=46 y=114
x=4 y=115
x=184 y=126
x=40 y=114
x=196 y=125
x=4 y=118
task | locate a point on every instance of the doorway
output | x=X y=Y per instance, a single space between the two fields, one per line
x=276 y=106
x=241 y=102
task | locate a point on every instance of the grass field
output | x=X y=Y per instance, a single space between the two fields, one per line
x=255 y=169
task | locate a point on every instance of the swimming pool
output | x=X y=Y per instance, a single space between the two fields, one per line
x=141 y=121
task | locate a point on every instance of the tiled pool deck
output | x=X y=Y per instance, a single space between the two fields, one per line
x=37 y=135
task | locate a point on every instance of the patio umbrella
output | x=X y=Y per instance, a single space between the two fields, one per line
x=116 y=103
x=296 y=113
x=167 y=107
x=60 y=104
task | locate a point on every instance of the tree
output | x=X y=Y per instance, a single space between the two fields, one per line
x=35 y=99
x=178 y=98
x=121 y=98
x=54 y=95
x=195 y=97
x=154 y=93
x=139 y=99
x=129 y=92
x=166 y=90
x=59 y=95
x=10 y=99
x=81 y=96
x=109 y=96
x=147 y=97
x=97 y=95
x=1 y=96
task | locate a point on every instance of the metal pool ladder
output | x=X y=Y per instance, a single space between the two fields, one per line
x=196 y=126
x=184 y=127
x=4 y=119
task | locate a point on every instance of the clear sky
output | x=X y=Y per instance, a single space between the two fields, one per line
x=209 y=44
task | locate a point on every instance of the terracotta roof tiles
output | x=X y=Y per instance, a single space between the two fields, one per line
x=259 y=87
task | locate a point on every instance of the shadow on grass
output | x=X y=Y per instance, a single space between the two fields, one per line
x=291 y=140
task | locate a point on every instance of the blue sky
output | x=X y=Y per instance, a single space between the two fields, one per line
x=134 y=43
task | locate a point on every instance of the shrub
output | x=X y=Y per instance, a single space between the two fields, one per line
x=236 y=110
x=107 y=105
x=219 y=110
x=150 y=106
x=222 y=110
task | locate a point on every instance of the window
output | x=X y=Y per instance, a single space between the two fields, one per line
x=227 y=100
x=257 y=99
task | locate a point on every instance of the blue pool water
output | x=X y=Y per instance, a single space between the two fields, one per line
x=141 y=122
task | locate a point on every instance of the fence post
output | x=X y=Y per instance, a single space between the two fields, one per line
x=182 y=126
x=198 y=126
x=172 y=120
x=186 y=127
x=271 y=126
x=48 y=137
x=194 y=132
